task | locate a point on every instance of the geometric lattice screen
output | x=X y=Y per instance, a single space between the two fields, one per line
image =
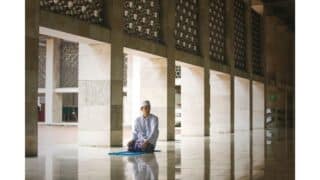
x=42 y=62
x=187 y=27
x=216 y=30
x=125 y=69
x=178 y=72
x=142 y=18
x=86 y=10
x=69 y=64
x=257 y=66
x=239 y=31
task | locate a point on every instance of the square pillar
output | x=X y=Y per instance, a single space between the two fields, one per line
x=113 y=19
x=192 y=100
x=31 y=77
x=241 y=104
x=53 y=113
x=258 y=105
x=94 y=94
x=168 y=9
x=171 y=75
x=204 y=49
x=220 y=102
x=229 y=54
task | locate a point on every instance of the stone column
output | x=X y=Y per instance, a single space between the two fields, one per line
x=53 y=101
x=94 y=94
x=31 y=77
x=114 y=10
x=204 y=46
x=168 y=25
x=192 y=101
x=258 y=105
x=219 y=102
x=171 y=99
x=248 y=22
x=229 y=50
x=264 y=62
x=241 y=104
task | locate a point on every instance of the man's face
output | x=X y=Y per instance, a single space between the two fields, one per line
x=145 y=110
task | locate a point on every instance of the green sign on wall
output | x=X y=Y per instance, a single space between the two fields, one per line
x=273 y=97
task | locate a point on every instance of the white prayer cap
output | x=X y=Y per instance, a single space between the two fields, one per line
x=145 y=103
x=268 y=111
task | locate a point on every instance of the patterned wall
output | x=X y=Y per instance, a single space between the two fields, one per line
x=257 y=66
x=239 y=42
x=69 y=64
x=187 y=26
x=125 y=70
x=86 y=10
x=216 y=30
x=142 y=18
x=42 y=63
x=178 y=72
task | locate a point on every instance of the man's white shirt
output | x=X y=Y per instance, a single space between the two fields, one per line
x=146 y=128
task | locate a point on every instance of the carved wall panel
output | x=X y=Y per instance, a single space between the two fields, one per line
x=142 y=18
x=216 y=30
x=239 y=42
x=69 y=64
x=42 y=63
x=187 y=26
x=86 y=10
x=257 y=66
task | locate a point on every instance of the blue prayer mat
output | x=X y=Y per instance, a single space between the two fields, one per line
x=128 y=153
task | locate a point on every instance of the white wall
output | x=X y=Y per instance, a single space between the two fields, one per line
x=53 y=101
x=220 y=91
x=192 y=100
x=258 y=105
x=153 y=84
x=94 y=94
x=132 y=103
x=147 y=80
x=241 y=104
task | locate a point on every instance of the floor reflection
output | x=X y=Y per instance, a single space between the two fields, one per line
x=144 y=167
x=220 y=156
x=259 y=154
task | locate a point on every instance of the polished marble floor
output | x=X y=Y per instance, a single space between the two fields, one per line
x=260 y=154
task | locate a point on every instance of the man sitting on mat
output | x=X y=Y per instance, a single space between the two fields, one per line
x=145 y=132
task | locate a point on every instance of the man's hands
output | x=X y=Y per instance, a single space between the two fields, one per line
x=145 y=144
x=130 y=143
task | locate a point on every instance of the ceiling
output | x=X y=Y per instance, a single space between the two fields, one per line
x=283 y=9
